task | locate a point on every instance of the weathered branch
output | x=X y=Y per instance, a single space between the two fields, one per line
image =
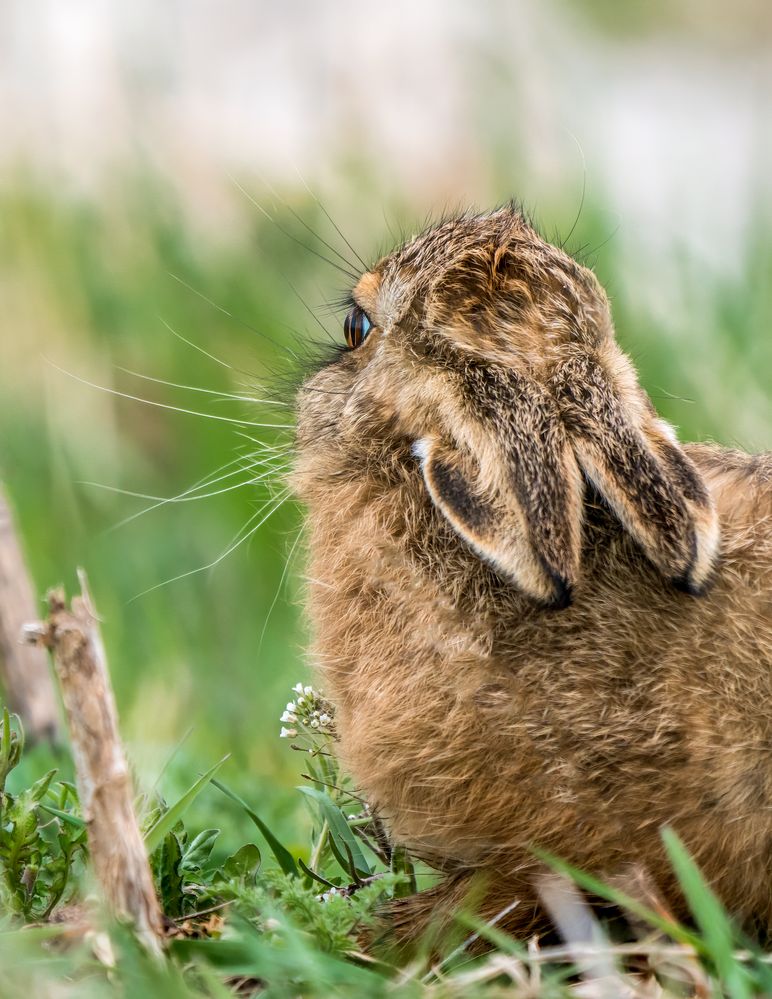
x=104 y=782
x=26 y=679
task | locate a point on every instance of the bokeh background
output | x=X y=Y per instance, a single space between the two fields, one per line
x=161 y=167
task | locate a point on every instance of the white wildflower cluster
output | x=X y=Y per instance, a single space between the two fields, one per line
x=309 y=714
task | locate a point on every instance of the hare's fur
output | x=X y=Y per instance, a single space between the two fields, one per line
x=542 y=621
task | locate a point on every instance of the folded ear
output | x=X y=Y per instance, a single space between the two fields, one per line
x=633 y=460
x=512 y=489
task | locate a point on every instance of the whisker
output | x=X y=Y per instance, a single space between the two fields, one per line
x=394 y=238
x=195 y=346
x=307 y=227
x=285 y=570
x=331 y=220
x=166 y=405
x=350 y=274
x=208 y=480
x=236 y=542
x=195 y=388
x=236 y=319
x=279 y=449
x=584 y=191
x=311 y=313
x=184 y=499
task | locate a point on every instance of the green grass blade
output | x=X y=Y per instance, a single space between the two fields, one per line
x=673 y=929
x=166 y=822
x=283 y=857
x=68 y=817
x=711 y=918
x=339 y=829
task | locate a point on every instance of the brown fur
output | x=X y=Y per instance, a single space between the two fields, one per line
x=480 y=719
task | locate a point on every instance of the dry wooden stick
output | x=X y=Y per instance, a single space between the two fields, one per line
x=26 y=679
x=104 y=782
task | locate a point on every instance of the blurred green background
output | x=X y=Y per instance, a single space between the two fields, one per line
x=129 y=242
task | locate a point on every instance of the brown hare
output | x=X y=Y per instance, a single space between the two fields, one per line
x=543 y=621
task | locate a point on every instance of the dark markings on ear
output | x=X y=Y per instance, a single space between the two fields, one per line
x=646 y=479
x=539 y=469
x=513 y=486
x=493 y=527
x=456 y=491
x=684 y=474
x=518 y=499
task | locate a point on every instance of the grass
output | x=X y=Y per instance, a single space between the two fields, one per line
x=203 y=666
x=266 y=920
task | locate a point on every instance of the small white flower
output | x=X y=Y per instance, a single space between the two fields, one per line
x=298 y=688
x=291 y=705
x=289 y=717
x=314 y=723
x=325 y=719
x=308 y=691
x=288 y=733
x=301 y=700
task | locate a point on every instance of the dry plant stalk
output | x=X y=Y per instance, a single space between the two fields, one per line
x=104 y=782
x=24 y=670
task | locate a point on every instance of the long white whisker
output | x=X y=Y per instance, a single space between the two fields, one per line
x=237 y=542
x=278 y=591
x=225 y=312
x=187 y=499
x=331 y=220
x=307 y=227
x=348 y=271
x=195 y=388
x=195 y=346
x=280 y=449
x=208 y=480
x=175 y=409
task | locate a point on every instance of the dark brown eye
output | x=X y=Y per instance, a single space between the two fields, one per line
x=356 y=326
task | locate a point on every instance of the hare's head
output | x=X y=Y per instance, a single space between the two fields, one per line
x=482 y=367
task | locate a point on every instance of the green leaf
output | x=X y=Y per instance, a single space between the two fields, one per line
x=243 y=865
x=170 y=879
x=314 y=876
x=345 y=841
x=11 y=745
x=166 y=822
x=402 y=864
x=198 y=852
x=68 y=817
x=710 y=916
x=40 y=787
x=283 y=857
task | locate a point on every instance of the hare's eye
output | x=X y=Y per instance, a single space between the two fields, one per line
x=356 y=326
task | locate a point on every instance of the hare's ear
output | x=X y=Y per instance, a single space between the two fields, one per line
x=637 y=466
x=516 y=504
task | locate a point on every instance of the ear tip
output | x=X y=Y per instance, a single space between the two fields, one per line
x=563 y=593
x=687 y=584
x=698 y=578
